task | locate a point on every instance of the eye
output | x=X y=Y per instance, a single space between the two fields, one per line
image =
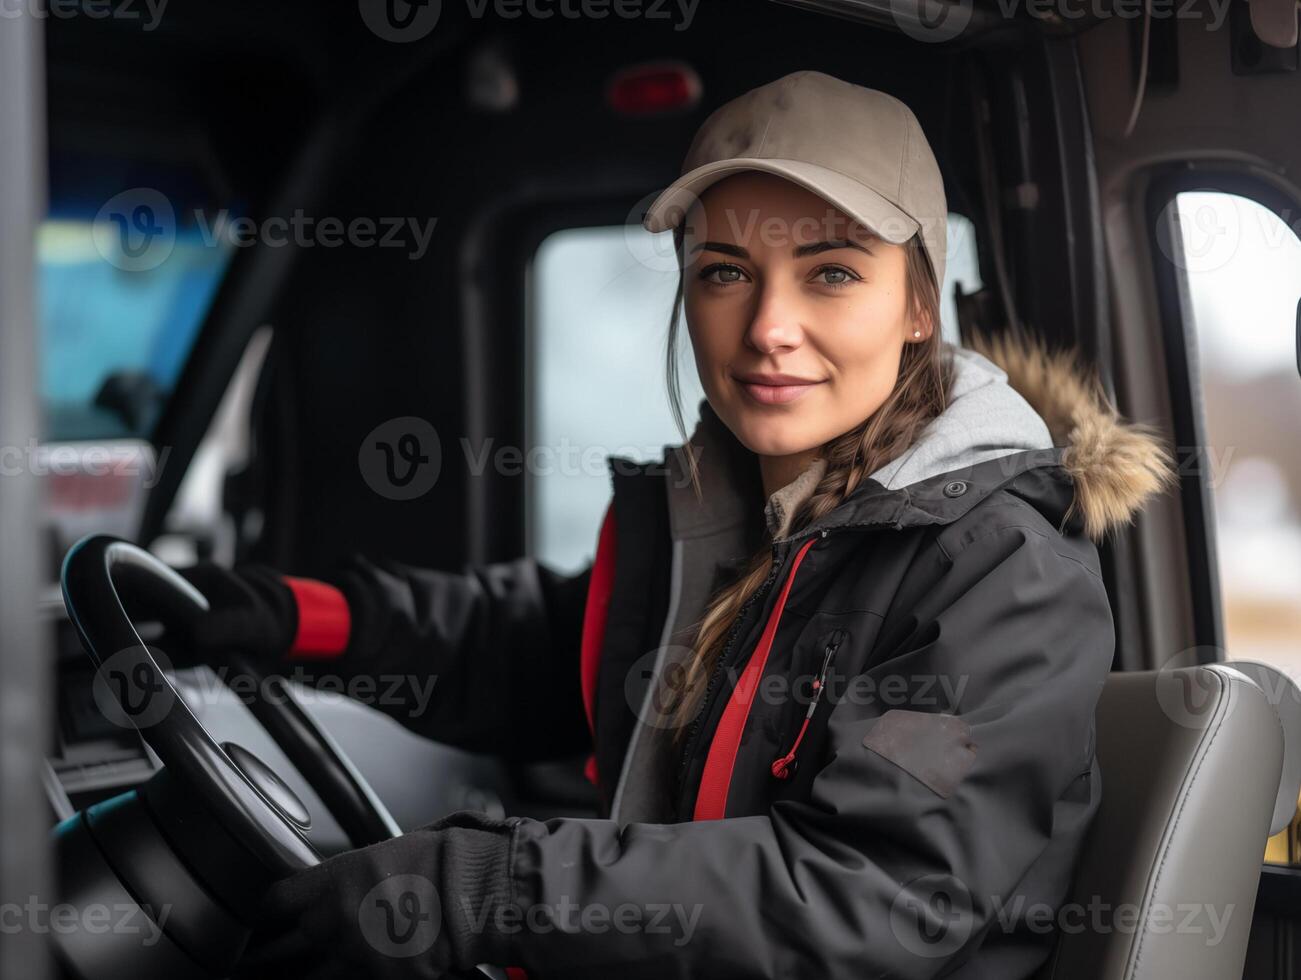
x=836 y=276
x=726 y=274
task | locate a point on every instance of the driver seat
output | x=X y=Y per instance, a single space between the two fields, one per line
x=1193 y=781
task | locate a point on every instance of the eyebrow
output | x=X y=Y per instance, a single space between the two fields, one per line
x=814 y=248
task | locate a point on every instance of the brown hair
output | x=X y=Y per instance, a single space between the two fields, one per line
x=919 y=395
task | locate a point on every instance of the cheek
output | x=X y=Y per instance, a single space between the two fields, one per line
x=863 y=341
x=858 y=332
x=715 y=336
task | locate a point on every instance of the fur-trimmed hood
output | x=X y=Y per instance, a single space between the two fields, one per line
x=1115 y=465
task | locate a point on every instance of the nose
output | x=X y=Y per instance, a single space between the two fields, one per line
x=776 y=321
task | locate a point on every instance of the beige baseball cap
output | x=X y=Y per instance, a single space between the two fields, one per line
x=859 y=149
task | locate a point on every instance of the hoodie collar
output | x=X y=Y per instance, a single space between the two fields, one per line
x=1013 y=407
x=781 y=506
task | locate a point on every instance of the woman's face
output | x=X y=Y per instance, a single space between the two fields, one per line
x=797 y=314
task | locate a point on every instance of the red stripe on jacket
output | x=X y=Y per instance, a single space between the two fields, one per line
x=711 y=797
x=599 y=587
x=324 y=620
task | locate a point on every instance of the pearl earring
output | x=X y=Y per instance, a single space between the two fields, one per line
x=917 y=333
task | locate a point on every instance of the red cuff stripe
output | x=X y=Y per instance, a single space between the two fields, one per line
x=324 y=621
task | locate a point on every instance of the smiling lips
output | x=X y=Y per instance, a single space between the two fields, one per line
x=775 y=389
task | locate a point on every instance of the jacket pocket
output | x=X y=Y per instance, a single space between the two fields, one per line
x=933 y=747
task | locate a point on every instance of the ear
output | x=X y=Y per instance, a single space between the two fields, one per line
x=920 y=320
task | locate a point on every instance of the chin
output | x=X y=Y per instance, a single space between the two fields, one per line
x=773 y=436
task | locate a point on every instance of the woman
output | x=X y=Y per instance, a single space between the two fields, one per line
x=839 y=661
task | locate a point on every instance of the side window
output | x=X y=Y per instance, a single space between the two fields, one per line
x=599 y=301
x=961 y=268
x=1240 y=269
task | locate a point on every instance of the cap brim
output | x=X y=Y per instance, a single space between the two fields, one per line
x=855 y=199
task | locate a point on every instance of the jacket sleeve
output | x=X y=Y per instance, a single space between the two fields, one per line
x=486 y=659
x=899 y=863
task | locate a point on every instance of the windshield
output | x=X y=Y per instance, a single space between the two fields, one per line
x=122 y=295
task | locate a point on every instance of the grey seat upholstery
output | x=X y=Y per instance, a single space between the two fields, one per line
x=1191 y=761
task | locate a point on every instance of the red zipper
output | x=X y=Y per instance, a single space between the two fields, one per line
x=783 y=767
x=716 y=780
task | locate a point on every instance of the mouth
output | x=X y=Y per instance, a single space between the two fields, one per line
x=775 y=389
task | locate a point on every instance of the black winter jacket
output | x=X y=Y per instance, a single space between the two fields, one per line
x=928 y=821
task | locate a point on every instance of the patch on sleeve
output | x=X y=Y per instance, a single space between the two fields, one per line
x=932 y=747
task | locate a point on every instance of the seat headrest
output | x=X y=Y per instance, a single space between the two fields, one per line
x=1284 y=696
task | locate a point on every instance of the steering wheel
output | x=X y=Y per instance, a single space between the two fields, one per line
x=88 y=586
x=207 y=833
x=317 y=756
x=237 y=793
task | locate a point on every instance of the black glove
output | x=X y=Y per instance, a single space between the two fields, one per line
x=250 y=610
x=420 y=905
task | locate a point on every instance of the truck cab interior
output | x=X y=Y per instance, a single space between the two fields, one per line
x=259 y=260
